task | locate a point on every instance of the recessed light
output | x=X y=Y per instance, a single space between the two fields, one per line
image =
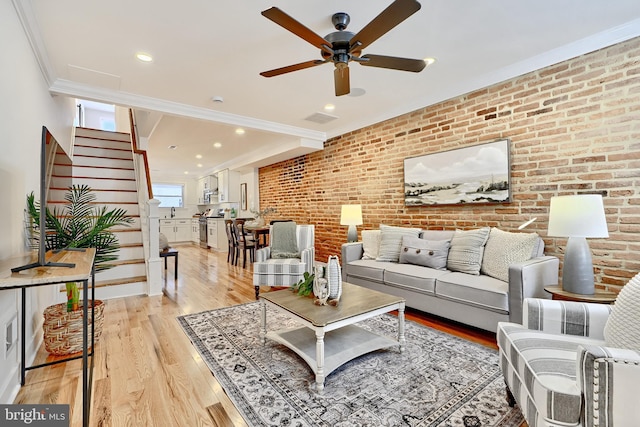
x=186 y=172
x=199 y=165
x=217 y=144
x=172 y=147
x=239 y=131
x=217 y=98
x=429 y=61
x=198 y=156
x=144 y=57
x=329 y=107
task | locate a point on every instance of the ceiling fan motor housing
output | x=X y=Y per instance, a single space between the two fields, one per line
x=340 y=20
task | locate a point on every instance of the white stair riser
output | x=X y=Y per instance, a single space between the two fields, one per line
x=136 y=252
x=95 y=133
x=110 y=292
x=101 y=196
x=129 y=237
x=97 y=161
x=104 y=143
x=94 y=172
x=122 y=272
x=102 y=152
x=130 y=209
x=105 y=184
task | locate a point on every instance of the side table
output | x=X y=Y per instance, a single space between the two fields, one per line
x=599 y=297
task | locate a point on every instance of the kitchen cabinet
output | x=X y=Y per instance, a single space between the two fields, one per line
x=176 y=230
x=228 y=186
x=195 y=230
x=216 y=234
x=206 y=186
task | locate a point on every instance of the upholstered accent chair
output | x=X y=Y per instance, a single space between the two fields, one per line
x=285 y=268
x=575 y=364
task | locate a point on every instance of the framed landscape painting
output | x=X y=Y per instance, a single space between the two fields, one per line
x=476 y=174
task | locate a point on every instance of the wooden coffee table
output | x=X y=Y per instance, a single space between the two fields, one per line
x=329 y=337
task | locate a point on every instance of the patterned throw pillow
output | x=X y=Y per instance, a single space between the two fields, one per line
x=424 y=252
x=503 y=249
x=391 y=241
x=623 y=325
x=465 y=254
x=370 y=243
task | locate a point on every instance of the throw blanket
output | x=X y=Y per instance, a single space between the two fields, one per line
x=284 y=243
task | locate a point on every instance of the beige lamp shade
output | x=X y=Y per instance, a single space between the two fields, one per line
x=351 y=215
x=577 y=216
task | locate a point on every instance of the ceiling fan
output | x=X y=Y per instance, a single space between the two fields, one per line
x=342 y=47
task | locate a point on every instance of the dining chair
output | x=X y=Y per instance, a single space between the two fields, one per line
x=246 y=243
x=232 y=242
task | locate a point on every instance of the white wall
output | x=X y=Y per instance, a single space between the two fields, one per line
x=25 y=106
x=253 y=195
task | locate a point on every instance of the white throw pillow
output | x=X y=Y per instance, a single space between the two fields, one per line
x=391 y=241
x=623 y=325
x=370 y=243
x=503 y=249
x=465 y=254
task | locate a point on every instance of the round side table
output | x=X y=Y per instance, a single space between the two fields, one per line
x=600 y=296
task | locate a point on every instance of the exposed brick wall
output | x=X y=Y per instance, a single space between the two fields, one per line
x=574 y=128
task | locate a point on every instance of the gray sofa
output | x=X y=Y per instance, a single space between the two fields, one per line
x=477 y=300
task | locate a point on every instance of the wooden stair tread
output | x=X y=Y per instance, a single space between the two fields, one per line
x=127 y=261
x=123 y=281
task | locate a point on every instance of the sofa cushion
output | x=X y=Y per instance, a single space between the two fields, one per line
x=367 y=269
x=391 y=241
x=467 y=247
x=370 y=244
x=503 y=249
x=437 y=234
x=481 y=291
x=412 y=277
x=623 y=325
x=540 y=370
x=428 y=253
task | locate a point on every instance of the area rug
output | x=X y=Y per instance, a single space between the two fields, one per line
x=439 y=380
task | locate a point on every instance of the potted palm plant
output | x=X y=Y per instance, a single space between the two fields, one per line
x=79 y=224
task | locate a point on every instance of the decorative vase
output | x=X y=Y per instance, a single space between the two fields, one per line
x=320 y=286
x=334 y=276
x=260 y=221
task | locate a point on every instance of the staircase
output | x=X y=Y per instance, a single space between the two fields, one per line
x=104 y=161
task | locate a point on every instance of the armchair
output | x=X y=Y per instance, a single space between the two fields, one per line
x=284 y=271
x=564 y=367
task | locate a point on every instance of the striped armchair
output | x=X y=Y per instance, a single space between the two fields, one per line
x=288 y=271
x=559 y=370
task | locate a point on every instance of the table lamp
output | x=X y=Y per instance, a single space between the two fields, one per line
x=578 y=218
x=351 y=215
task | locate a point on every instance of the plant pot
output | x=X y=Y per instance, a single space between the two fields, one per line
x=63 y=329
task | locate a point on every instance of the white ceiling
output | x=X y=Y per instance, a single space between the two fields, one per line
x=203 y=49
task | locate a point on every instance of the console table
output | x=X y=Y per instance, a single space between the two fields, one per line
x=82 y=271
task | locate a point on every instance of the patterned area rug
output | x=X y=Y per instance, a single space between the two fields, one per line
x=439 y=380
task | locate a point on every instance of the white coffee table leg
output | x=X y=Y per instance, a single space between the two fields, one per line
x=401 y=339
x=263 y=322
x=320 y=360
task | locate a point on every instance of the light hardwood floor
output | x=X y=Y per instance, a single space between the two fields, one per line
x=146 y=372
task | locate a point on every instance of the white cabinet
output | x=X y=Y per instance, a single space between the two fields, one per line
x=216 y=234
x=195 y=230
x=176 y=230
x=228 y=186
x=207 y=186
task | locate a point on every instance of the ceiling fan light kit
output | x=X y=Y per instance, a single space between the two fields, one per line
x=342 y=47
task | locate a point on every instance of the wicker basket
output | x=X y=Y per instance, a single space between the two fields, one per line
x=63 y=330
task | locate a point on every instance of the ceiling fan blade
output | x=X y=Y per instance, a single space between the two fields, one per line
x=341 y=81
x=290 y=68
x=289 y=23
x=394 y=14
x=402 y=64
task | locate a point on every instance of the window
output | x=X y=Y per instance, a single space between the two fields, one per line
x=169 y=195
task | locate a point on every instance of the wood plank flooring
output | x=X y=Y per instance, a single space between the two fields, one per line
x=146 y=372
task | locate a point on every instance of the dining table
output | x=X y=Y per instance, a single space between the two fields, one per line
x=260 y=234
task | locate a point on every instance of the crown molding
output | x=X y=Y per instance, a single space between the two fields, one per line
x=130 y=100
x=31 y=30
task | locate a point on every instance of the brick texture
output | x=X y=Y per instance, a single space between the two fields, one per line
x=574 y=129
